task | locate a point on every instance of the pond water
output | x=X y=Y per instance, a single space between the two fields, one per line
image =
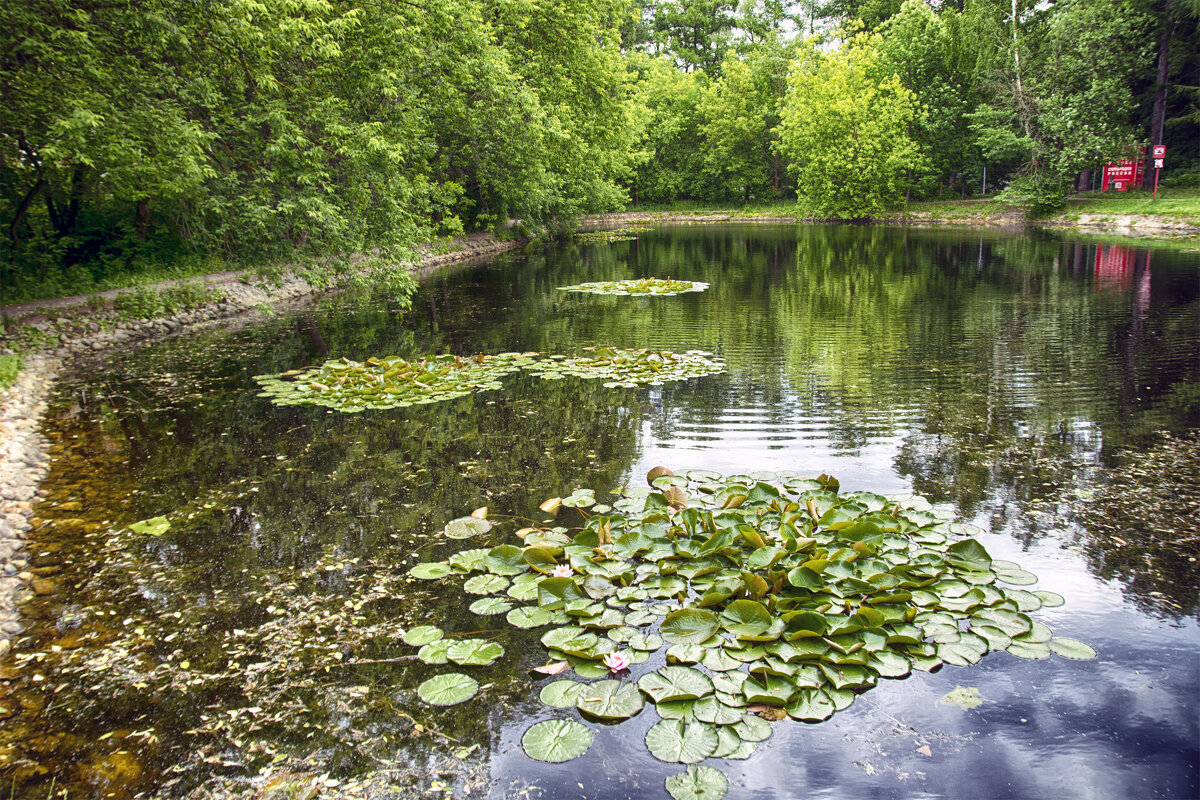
x=1031 y=384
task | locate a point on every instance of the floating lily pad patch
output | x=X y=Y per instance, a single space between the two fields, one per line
x=391 y=382
x=629 y=368
x=638 y=286
x=773 y=596
x=603 y=237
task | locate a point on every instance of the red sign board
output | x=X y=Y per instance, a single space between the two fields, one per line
x=1121 y=176
x=1160 y=151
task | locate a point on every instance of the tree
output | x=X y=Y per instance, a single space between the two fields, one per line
x=696 y=32
x=928 y=53
x=846 y=132
x=740 y=115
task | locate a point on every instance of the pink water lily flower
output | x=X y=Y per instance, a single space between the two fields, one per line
x=617 y=661
x=562 y=571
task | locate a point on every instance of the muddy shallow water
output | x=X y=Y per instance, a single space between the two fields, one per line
x=1029 y=384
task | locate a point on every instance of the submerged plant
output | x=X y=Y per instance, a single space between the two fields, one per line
x=638 y=286
x=770 y=593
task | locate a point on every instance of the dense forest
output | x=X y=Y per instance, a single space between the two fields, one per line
x=138 y=133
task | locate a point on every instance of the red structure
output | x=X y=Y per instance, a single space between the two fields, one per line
x=1122 y=175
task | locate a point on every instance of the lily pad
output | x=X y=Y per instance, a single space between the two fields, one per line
x=466 y=527
x=609 y=700
x=1071 y=648
x=474 y=652
x=155 y=526
x=679 y=742
x=689 y=626
x=448 y=689
x=529 y=617
x=391 y=382
x=561 y=694
x=422 y=634
x=430 y=570
x=556 y=740
x=630 y=368
x=699 y=782
x=435 y=652
x=675 y=683
x=488 y=606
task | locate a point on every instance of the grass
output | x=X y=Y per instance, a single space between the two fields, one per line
x=1179 y=203
x=1182 y=203
x=10 y=367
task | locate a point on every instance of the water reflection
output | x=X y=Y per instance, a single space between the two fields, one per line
x=1011 y=377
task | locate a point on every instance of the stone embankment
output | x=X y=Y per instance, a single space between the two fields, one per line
x=24 y=457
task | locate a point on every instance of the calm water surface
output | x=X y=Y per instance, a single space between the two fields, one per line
x=1004 y=377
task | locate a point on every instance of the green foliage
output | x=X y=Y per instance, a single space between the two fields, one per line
x=846 y=131
x=10 y=367
x=147 y=303
x=279 y=130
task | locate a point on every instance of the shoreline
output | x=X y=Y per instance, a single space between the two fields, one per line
x=24 y=454
x=24 y=459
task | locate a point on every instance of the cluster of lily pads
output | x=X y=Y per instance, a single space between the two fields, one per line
x=774 y=596
x=628 y=368
x=390 y=382
x=604 y=237
x=393 y=382
x=638 y=286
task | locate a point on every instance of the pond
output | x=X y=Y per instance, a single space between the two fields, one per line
x=1043 y=389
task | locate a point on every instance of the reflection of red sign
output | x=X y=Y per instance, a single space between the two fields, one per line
x=1114 y=266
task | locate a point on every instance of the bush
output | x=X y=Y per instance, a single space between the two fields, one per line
x=1036 y=196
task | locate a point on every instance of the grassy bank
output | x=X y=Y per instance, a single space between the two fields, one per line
x=1176 y=204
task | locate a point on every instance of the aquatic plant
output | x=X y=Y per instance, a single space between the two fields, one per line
x=390 y=382
x=628 y=368
x=772 y=594
x=638 y=286
x=393 y=382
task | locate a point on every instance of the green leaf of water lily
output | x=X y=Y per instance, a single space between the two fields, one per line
x=675 y=683
x=679 y=742
x=556 y=740
x=609 y=700
x=466 y=527
x=474 y=652
x=561 y=694
x=155 y=526
x=449 y=689
x=698 y=783
x=1071 y=648
x=422 y=634
x=689 y=626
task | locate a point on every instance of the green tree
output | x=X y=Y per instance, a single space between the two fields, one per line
x=669 y=153
x=696 y=32
x=846 y=132
x=928 y=52
x=740 y=123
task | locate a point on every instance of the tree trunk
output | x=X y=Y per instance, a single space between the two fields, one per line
x=1160 y=90
x=142 y=225
x=20 y=214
